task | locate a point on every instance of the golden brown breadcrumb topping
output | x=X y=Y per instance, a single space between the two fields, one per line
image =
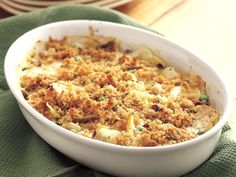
x=87 y=84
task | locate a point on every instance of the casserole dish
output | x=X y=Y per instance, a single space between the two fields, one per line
x=168 y=160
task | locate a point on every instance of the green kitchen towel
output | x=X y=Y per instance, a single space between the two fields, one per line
x=24 y=154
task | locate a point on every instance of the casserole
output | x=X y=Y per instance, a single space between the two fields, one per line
x=168 y=160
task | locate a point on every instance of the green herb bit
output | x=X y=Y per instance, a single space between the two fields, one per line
x=204 y=98
x=101 y=98
x=201 y=132
x=131 y=71
x=140 y=128
x=77 y=58
x=25 y=68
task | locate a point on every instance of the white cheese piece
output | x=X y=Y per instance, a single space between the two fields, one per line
x=142 y=52
x=60 y=87
x=54 y=112
x=137 y=85
x=158 y=86
x=192 y=130
x=130 y=125
x=147 y=54
x=169 y=72
x=50 y=69
x=133 y=78
x=66 y=87
x=205 y=118
x=141 y=95
x=162 y=98
x=106 y=135
x=72 y=126
x=175 y=91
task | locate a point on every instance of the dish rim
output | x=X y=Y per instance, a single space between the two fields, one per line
x=104 y=145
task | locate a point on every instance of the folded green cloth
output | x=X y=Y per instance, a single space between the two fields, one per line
x=24 y=153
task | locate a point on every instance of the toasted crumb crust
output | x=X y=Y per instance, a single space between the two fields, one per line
x=88 y=85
